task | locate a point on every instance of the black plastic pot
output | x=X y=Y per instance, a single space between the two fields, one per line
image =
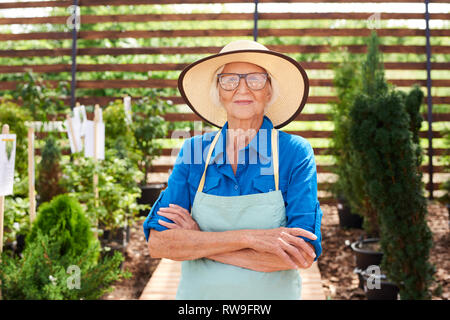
x=365 y=257
x=120 y=235
x=149 y=194
x=386 y=290
x=348 y=219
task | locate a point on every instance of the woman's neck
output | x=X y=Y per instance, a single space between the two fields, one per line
x=241 y=132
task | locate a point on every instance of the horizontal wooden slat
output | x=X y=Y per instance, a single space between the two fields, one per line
x=105 y=100
x=312 y=32
x=144 y=67
x=93 y=19
x=172 y=83
x=181 y=134
x=191 y=117
x=320 y=168
x=437 y=117
x=317 y=151
x=87 y=3
x=40 y=4
x=56 y=52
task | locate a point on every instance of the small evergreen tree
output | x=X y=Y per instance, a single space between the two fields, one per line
x=60 y=240
x=382 y=131
x=49 y=169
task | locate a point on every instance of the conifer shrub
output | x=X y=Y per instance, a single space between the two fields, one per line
x=384 y=132
x=61 y=258
x=49 y=171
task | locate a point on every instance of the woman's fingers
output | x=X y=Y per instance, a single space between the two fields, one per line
x=168 y=224
x=283 y=255
x=294 y=252
x=299 y=243
x=180 y=216
x=172 y=216
x=300 y=232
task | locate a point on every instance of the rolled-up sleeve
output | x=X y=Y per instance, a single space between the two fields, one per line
x=177 y=192
x=303 y=208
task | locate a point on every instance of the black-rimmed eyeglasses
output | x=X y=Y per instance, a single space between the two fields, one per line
x=254 y=80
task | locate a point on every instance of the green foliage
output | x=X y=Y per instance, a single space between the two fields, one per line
x=60 y=240
x=147 y=126
x=348 y=81
x=15 y=116
x=37 y=97
x=49 y=171
x=445 y=198
x=382 y=134
x=119 y=135
x=117 y=188
x=16 y=218
x=63 y=219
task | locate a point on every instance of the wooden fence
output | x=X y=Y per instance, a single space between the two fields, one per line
x=222 y=36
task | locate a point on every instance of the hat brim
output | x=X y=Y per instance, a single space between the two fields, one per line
x=194 y=84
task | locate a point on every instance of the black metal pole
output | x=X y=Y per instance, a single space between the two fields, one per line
x=255 y=22
x=429 y=102
x=74 y=54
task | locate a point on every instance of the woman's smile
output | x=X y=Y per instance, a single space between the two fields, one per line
x=242 y=102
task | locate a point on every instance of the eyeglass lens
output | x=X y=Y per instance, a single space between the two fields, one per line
x=230 y=81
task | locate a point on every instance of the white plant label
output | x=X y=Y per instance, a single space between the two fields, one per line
x=7 y=159
x=76 y=127
x=127 y=108
x=89 y=140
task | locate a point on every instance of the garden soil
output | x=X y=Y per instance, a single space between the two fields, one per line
x=336 y=263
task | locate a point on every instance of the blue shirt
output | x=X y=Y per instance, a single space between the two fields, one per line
x=254 y=174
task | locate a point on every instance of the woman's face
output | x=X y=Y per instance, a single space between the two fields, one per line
x=243 y=103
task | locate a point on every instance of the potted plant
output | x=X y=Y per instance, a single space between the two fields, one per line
x=383 y=290
x=347 y=191
x=382 y=133
x=367 y=253
x=148 y=126
x=117 y=206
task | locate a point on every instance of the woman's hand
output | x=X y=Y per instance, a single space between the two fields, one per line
x=285 y=243
x=181 y=217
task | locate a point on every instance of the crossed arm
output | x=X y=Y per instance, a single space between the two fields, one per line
x=265 y=250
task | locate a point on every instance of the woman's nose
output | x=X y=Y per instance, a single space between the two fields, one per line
x=242 y=86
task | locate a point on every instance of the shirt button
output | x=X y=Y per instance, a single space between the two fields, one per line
x=236 y=187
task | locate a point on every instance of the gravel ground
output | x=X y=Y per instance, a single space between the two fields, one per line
x=336 y=263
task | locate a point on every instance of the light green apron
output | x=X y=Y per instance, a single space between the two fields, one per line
x=205 y=279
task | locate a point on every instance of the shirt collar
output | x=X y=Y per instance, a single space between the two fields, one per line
x=260 y=144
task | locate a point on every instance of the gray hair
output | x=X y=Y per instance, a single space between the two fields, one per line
x=214 y=89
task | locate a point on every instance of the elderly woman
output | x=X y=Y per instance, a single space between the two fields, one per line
x=240 y=209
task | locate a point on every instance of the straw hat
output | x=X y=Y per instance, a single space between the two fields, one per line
x=195 y=82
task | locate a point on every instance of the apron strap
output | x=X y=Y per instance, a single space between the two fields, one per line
x=275 y=156
x=274 y=138
x=211 y=148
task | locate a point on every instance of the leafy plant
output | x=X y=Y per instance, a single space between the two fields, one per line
x=117 y=188
x=380 y=132
x=16 y=218
x=41 y=100
x=148 y=125
x=119 y=135
x=61 y=240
